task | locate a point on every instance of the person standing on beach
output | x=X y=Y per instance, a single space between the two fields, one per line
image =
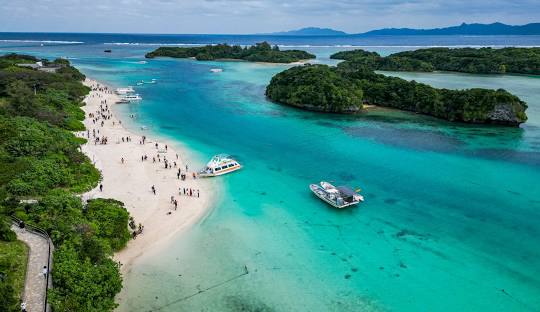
x=101 y=187
x=175 y=204
x=154 y=189
x=197 y=193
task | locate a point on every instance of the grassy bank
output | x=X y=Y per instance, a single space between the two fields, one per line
x=13 y=263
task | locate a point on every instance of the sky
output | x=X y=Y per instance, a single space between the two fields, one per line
x=254 y=16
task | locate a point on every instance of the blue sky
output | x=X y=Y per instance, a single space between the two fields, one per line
x=252 y=16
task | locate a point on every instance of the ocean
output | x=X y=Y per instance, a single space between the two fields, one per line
x=451 y=220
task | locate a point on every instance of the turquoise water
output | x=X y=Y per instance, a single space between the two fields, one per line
x=451 y=220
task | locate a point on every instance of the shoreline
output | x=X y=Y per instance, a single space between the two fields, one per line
x=130 y=181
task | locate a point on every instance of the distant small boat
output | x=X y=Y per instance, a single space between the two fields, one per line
x=150 y=82
x=140 y=83
x=107 y=51
x=142 y=62
x=122 y=101
x=219 y=165
x=339 y=197
x=216 y=70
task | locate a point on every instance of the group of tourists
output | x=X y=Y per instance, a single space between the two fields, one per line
x=99 y=88
x=104 y=114
x=103 y=140
x=189 y=192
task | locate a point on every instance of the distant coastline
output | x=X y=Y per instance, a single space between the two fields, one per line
x=476 y=29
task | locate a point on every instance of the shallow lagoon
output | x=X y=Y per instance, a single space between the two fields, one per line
x=450 y=220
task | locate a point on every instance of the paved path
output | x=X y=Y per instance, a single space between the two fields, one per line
x=34 y=288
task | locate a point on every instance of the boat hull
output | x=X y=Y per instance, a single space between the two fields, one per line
x=319 y=192
x=228 y=170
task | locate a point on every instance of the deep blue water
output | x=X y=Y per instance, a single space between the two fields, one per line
x=451 y=220
x=376 y=41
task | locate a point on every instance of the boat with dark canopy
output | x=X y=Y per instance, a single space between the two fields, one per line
x=339 y=197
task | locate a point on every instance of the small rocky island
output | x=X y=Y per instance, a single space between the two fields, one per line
x=465 y=60
x=352 y=84
x=260 y=52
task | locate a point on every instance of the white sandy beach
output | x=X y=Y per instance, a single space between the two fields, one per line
x=131 y=181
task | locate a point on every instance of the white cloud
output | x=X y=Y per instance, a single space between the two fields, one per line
x=249 y=16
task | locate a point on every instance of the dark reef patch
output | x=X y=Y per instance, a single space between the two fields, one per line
x=408 y=138
x=391 y=201
x=522 y=157
x=244 y=304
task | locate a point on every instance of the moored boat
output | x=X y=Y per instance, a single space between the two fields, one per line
x=123 y=91
x=339 y=197
x=129 y=98
x=219 y=165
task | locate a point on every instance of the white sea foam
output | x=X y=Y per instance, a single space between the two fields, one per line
x=156 y=44
x=329 y=46
x=407 y=46
x=41 y=41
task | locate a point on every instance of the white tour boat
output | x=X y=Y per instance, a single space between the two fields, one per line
x=124 y=91
x=219 y=165
x=216 y=70
x=132 y=97
x=339 y=197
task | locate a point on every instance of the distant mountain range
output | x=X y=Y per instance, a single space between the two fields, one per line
x=463 y=29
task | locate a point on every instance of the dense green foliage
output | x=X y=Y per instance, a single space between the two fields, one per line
x=6 y=234
x=260 y=52
x=467 y=60
x=13 y=259
x=40 y=158
x=354 y=82
x=85 y=276
x=318 y=86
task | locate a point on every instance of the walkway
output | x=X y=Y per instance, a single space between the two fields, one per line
x=34 y=288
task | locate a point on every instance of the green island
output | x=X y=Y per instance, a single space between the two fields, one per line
x=260 y=52
x=349 y=86
x=40 y=159
x=465 y=60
